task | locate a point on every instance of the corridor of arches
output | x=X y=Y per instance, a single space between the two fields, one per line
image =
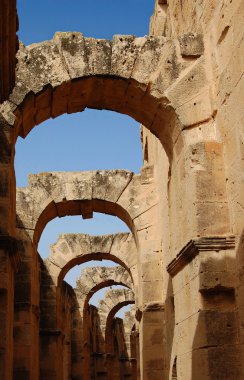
x=120 y=233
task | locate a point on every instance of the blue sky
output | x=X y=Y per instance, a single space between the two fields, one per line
x=92 y=139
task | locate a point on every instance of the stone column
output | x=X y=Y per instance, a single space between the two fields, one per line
x=9 y=255
x=77 y=341
x=206 y=331
x=9 y=263
x=151 y=313
x=51 y=338
x=26 y=313
x=152 y=342
x=201 y=261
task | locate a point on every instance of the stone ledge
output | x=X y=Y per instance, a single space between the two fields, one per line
x=11 y=245
x=195 y=246
x=152 y=306
x=127 y=359
x=50 y=332
x=191 y=45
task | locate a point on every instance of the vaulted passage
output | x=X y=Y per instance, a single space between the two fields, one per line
x=169 y=305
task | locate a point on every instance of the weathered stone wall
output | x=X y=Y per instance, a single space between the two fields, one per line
x=8 y=47
x=184 y=83
x=219 y=23
x=8 y=247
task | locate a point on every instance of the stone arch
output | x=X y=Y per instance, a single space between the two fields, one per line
x=124 y=194
x=113 y=301
x=75 y=249
x=93 y=279
x=129 y=75
x=90 y=281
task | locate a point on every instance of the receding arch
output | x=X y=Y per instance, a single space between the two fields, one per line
x=76 y=249
x=93 y=279
x=113 y=301
x=116 y=192
x=117 y=144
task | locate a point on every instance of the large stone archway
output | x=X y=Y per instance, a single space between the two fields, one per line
x=115 y=192
x=131 y=75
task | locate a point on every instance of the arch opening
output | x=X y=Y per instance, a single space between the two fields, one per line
x=110 y=92
x=79 y=142
x=100 y=224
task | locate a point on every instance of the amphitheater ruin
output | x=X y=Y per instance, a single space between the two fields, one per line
x=182 y=263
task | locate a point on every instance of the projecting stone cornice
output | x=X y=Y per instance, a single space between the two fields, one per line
x=195 y=246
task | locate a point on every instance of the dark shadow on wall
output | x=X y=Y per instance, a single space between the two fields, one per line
x=216 y=344
x=169 y=326
x=56 y=314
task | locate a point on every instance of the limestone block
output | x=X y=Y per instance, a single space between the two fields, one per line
x=123 y=56
x=110 y=185
x=98 y=56
x=39 y=65
x=151 y=291
x=24 y=208
x=124 y=248
x=187 y=301
x=151 y=270
x=169 y=69
x=191 y=45
x=189 y=84
x=71 y=46
x=101 y=244
x=79 y=186
x=146 y=63
x=197 y=110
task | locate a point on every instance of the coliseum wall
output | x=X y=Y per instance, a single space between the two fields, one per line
x=184 y=256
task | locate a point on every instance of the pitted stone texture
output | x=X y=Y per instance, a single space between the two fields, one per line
x=9 y=47
x=131 y=75
x=93 y=279
x=114 y=192
x=75 y=249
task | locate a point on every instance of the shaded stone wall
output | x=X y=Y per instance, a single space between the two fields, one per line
x=8 y=47
x=8 y=247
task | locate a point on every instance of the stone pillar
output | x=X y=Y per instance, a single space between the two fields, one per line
x=206 y=332
x=151 y=315
x=9 y=255
x=77 y=341
x=151 y=329
x=9 y=263
x=26 y=314
x=51 y=353
x=51 y=339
